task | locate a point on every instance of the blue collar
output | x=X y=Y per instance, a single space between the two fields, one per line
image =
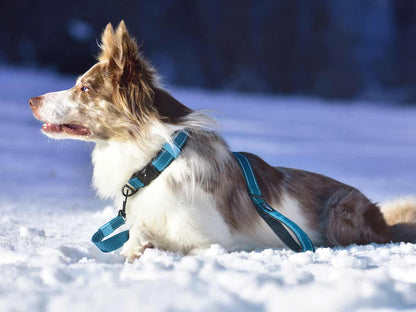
x=140 y=179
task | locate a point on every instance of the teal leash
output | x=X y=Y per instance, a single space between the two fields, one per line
x=274 y=219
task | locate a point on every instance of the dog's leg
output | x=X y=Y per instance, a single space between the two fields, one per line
x=138 y=242
x=353 y=219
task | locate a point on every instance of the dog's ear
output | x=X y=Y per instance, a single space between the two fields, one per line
x=130 y=59
x=122 y=53
x=107 y=44
x=129 y=71
x=127 y=46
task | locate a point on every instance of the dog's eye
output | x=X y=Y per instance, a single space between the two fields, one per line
x=85 y=89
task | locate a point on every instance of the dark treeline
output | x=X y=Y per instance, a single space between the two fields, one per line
x=332 y=48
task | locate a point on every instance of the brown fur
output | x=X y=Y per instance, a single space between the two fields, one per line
x=312 y=190
x=169 y=109
x=403 y=232
x=352 y=218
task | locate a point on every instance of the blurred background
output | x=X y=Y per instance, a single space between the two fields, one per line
x=328 y=48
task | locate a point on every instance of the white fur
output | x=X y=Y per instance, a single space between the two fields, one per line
x=55 y=106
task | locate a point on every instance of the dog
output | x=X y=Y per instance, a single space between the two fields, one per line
x=201 y=198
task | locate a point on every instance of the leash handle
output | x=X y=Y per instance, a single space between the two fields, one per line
x=115 y=241
x=274 y=219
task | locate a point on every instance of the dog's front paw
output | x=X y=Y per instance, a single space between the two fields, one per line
x=132 y=253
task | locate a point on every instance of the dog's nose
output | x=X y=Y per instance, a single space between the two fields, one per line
x=35 y=101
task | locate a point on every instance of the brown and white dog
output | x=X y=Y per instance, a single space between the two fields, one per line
x=201 y=198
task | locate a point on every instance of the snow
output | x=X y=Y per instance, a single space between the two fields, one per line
x=49 y=212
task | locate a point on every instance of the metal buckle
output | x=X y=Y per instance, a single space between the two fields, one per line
x=147 y=174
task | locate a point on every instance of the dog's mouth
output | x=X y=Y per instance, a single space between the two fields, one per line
x=66 y=128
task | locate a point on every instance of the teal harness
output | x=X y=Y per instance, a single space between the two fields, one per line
x=169 y=152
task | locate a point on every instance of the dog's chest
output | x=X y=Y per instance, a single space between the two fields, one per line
x=173 y=218
x=114 y=164
x=172 y=209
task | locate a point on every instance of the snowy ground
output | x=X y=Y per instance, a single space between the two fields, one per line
x=48 y=213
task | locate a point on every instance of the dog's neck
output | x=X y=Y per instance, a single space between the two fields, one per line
x=115 y=162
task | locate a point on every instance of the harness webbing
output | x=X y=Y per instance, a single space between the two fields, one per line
x=274 y=219
x=140 y=179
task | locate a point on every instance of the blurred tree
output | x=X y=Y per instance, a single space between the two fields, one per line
x=331 y=48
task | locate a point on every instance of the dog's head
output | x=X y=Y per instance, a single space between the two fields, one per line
x=116 y=99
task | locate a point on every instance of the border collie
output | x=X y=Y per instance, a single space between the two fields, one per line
x=201 y=198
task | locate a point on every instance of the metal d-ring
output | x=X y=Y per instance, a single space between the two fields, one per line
x=128 y=190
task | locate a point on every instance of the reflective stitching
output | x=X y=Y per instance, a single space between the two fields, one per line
x=240 y=159
x=254 y=178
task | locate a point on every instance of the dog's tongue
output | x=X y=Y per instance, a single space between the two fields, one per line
x=51 y=128
x=66 y=128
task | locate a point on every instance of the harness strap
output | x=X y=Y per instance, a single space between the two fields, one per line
x=140 y=179
x=274 y=219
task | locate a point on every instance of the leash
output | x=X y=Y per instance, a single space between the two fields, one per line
x=138 y=180
x=274 y=219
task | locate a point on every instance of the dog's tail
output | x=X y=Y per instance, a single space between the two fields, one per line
x=400 y=214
